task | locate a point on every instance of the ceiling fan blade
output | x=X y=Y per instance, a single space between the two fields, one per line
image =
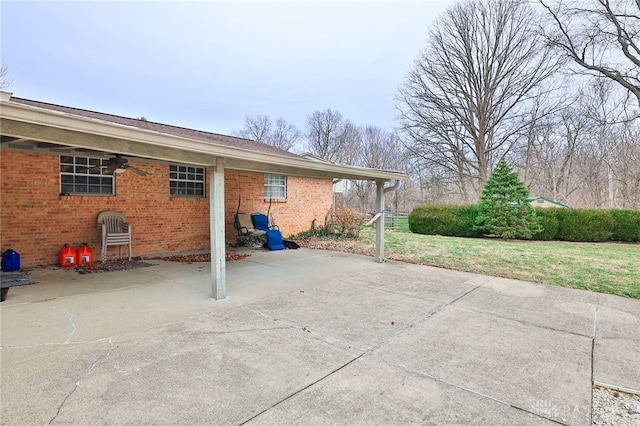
x=134 y=170
x=110 y=169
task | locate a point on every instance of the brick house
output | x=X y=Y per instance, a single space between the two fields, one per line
x=55 y=180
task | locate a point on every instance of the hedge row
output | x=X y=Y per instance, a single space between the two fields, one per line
x=450 y=221
x=582 y=225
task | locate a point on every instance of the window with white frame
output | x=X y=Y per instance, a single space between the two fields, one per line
x=186 y=181
x=275 y=187
x=85 y=176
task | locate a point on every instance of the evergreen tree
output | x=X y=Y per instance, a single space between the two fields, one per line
x=504 y=208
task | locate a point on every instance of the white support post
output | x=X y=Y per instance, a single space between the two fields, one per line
x=380 y=221
x=216 y=230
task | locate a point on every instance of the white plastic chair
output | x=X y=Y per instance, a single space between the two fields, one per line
x=115 y=232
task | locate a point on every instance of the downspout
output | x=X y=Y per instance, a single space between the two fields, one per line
x=394 y=187
x=333 y=195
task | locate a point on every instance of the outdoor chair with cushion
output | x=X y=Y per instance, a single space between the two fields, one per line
x=261 y=222
x=244 y=226
x=114 y=231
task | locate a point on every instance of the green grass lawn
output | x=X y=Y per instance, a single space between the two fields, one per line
x=397 y=223
x=602 y=267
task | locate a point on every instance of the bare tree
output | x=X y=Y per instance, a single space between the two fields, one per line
x=584 y=154
x=627 y=171
x=257 y=128
x=5 y=80
x=549 y=159
x=465 y=101
x=330 y=136
x=350 y=142
x=605 y=149
x=284 y=135
x=601 y=36
x=260 y=128
x=378 y=149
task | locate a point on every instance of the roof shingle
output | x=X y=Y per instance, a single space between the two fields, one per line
x=197 y=135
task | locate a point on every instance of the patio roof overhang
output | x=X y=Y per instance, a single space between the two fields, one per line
x=39 y=124
x=27 y=126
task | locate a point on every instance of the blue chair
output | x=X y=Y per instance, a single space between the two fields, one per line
x=261 y=222
x=274 y=240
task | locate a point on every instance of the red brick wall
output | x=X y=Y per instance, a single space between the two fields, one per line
x=307 y=199
x=36 y=221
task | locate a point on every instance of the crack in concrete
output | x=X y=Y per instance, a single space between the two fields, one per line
x=77 y=384
x=302 y=389
x=73 y=327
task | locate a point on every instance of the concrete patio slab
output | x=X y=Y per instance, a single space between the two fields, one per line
x=477 y=351
x=310 y=337
x=268 y=274
x=341 y=312
x=370 y=391
x=547 y=306
x=35 y=386
x=617 y=343
x=615 y=363
x=423 y=282
x=176 y=376
x=618 y=317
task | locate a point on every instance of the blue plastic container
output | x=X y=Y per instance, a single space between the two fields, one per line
x=10 y=261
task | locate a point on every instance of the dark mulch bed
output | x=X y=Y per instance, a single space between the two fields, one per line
x=205 y=257
x=112 y=265
x=126 y=264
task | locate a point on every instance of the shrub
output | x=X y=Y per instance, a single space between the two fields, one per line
x=447 y=220
x=584 y=225
x=348 y=222
x=549 y=222
x=343 y=223
x=580 y=225
x=627 y=226
x=430 y=220
x=504 y=208
x=466 y=217
x=314 y=231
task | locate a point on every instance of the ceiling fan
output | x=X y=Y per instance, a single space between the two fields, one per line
x=118 y=164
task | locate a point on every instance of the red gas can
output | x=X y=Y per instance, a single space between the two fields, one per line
x=84 y=255
x=67 y=256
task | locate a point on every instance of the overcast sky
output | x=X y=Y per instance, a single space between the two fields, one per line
x=207 y=65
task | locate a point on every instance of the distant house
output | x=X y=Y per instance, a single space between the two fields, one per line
x=179 y=188
x=545 y=203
